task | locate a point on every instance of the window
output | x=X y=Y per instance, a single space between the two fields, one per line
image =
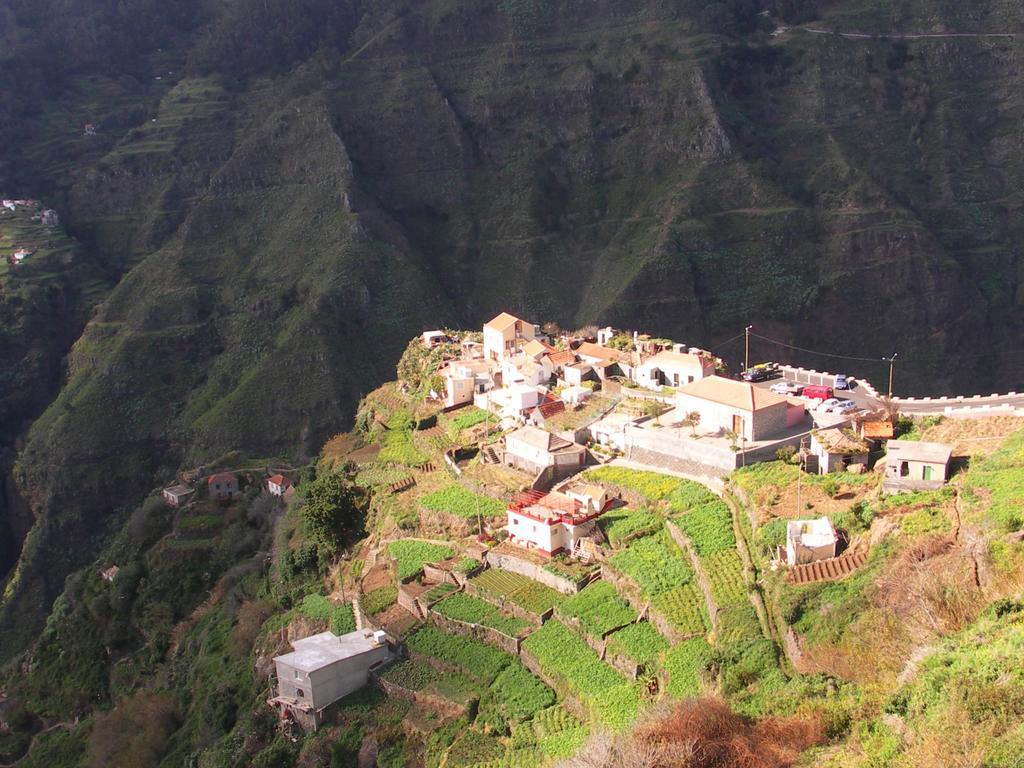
x=298 y=675
x=299 y=693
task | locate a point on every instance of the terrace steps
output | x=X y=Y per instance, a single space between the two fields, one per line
x=833 y=569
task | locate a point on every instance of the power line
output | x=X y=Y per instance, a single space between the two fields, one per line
x=714 y=347
x=823 y=354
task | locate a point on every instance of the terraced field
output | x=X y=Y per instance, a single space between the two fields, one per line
x=564 y=656
x=526 y=593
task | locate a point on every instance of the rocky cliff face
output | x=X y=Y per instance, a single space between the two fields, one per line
x=283 y=208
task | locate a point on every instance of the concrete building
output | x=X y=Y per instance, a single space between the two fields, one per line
x=605 y=361
x=431 y=339
x=810 y=540
x=222 y=485
x=673 y=369
x=914 y=465
x=553 y=523
x=324 y=668
x=531 y=449
x=278 y=485
x=727 y=405
x=506 y=335
x=836 y=450
x=177 y=495
x=464 y=379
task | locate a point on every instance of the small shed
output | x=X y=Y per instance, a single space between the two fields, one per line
x=838 y=449
x=324 y=668
x=222 y=485
x=432 y=339
x=177 y=495
x=915 y=465
x=808 y=541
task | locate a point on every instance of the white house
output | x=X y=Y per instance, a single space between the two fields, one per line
x=278 y=485
x=673 y=369
x=506 y=335
x=177 y=495
x=914 y=465
x=555 y=523
x=325 y=667
x=512 y=401
x=531 y=450
x=727 y=405
x=810 y=540
x=611 y=430
x=591 y=496
x=432 y=339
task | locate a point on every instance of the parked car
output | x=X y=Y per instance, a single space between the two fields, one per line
x=757 y=374
x=786 y=388
x=817 y=391
x=844 y=406
x=842 y=382
x=826 y=405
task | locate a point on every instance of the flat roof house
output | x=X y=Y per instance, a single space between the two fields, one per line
x=838 y=449
x=914 y=465
x=531 y=449
x=552 y=523
x=177 y=495
x=324 y=668
x=673 y=369
x=810 y=540
x=728 y=405
x=506 y=335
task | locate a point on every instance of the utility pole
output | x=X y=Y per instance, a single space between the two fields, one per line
x=746 y=348
x=892 y=362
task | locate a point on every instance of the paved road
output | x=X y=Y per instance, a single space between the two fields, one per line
x=904 y=35
x=860 y=396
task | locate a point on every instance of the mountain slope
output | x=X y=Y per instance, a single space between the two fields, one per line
x=287 y=193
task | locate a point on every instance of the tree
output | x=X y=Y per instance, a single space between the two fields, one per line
x=692 y=420
x=332 y=508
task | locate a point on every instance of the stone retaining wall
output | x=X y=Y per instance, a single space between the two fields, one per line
x=479 y=632
x=626 y=587
x=698 y=569
x=444 y=707
x=518 y=611
x=570 y=702
x=536 y=572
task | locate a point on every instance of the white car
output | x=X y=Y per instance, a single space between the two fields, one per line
x=786 y=388
x=843 y=406
x=826 y=406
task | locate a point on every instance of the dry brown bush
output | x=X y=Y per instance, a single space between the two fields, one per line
x=248 y=623
x=134 y=733
x=702 y=733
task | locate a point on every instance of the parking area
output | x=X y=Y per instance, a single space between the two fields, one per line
x=856 y=394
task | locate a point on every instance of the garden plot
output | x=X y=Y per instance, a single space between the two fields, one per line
x=665 y=578
x=640 y=642
x=564 y=656
x=411 y=554
x=625 y=523
x=476 y=660
x=473 y=610
x=528 y=594
x=424 y=678
x=458 y=501
x=598 y=609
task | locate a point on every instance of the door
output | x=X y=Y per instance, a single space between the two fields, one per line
x=927 y=474
x=737 y=425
